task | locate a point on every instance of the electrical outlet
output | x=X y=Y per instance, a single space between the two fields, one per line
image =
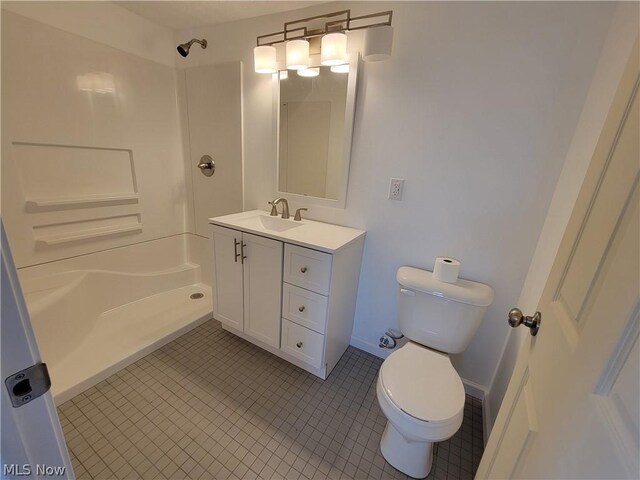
x=395 y=189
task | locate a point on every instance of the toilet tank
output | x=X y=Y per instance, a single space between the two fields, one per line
x=442 y=316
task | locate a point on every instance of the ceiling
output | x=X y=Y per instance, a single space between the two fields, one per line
x=188 y=14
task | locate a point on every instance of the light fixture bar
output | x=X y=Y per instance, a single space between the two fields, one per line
x=302 y=30
x=368 y=24
x=289 y=32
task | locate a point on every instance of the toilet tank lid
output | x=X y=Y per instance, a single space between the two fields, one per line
x=463 y=291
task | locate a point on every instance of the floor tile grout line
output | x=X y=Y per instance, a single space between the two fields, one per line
x=232 y=385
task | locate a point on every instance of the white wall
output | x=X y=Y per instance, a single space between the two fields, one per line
x=211 y=106
x=475 y=110
x=130 y=135
x=623 y=31
x=103 y=22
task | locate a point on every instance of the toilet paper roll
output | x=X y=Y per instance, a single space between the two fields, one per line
x=446 y=269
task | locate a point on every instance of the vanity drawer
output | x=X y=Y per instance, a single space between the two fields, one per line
x=302 y=343
x=305 y=308
x=307 y=268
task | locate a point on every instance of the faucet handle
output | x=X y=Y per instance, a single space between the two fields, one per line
x=298 y=217
x=274 y=209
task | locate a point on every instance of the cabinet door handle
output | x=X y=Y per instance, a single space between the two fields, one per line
x=235 y=250
x=303 y=269
x=242 y=259
x=299 y=344
x=301 y=309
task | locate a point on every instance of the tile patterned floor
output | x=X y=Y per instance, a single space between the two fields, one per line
x=210 y=405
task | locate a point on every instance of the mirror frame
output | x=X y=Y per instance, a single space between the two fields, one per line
x=349 y=117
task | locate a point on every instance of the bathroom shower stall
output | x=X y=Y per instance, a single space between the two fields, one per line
x=102 y=198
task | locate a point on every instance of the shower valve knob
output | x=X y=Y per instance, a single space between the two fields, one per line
x=207 y=166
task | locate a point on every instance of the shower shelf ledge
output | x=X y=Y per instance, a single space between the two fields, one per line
x=79 y=202
x=52 y=240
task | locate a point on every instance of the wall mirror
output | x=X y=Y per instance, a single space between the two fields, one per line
x=314 y=128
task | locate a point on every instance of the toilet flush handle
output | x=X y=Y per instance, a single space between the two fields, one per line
x=406 y=291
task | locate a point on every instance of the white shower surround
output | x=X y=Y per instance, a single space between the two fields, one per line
x=86 y=335
x=98 y=235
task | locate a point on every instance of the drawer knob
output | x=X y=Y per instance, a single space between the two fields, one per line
x=301 y=309
x=299 y=344
x=303 y=269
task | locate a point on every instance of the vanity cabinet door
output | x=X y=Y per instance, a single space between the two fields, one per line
x=262 y=288
x=227 y=274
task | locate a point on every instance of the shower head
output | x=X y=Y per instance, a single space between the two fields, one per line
x=183 y=48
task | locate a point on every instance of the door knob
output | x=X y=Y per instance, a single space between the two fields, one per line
x=207 y=166
x=516 y=318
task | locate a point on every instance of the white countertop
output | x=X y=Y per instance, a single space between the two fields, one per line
x=321 y=236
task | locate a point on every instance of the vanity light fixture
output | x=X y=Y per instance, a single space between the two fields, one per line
x=324 y=35
x=264 y=58
x=297 y=54
x=334 y=49
x=377 y=43
x=309 y=72
x=340 y=68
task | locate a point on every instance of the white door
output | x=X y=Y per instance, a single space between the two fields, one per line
x=214 y=111
x=227 y=272
x=262 y=289
x=32 y=439
x=572 y=409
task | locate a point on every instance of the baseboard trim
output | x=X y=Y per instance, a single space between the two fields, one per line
x=486 y=416
x=370 y=347
x=480 y=392
x=475 y=390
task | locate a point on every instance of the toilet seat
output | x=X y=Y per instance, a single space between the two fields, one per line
x=423 y=384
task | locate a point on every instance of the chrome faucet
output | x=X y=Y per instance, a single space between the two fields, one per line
x=285 y=207
x=298 y=216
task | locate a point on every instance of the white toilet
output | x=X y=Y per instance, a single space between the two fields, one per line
x=418 y=389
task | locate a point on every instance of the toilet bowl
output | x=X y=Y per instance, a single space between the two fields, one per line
x=418 y=389
x=423 y=398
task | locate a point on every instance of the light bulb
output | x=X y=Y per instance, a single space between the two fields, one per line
x=340 y=68
x=297 y=54
x=333 y=49
x=309 y=72
x=264 y=59
x=284 y=74
x=377 y=43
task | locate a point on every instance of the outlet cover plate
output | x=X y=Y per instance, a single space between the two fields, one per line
x=395 y=188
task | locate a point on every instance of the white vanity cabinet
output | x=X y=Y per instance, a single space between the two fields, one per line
x=288 y=287
x=248 y=283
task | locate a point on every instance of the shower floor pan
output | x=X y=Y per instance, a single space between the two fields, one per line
x=90 y=323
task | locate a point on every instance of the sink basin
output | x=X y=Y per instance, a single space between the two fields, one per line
x=266 y=222
x=321 y=236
